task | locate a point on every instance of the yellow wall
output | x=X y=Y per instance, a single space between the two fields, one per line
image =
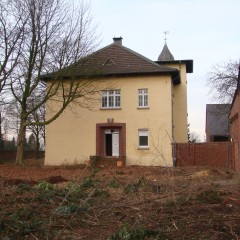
x=180 y=119
x=72 y=137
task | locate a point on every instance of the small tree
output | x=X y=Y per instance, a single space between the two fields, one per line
x=32 y=142
x=222 y=81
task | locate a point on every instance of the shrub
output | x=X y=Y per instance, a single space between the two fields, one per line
x=45 y=186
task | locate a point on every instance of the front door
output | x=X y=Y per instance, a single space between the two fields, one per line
x=115 y=144
x=112 y=142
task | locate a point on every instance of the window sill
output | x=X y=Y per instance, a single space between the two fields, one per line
x=143 y=148
x=113 y=108
x=143 y=107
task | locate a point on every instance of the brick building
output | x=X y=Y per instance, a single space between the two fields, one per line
x=217 y=126
x=234 y=119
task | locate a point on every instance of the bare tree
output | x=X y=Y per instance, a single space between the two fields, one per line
x=55 y=36
x=222 y=81
x=38 y=131
x=194 y=137
x=1 y=135
x=11 y=33
x=3 y=123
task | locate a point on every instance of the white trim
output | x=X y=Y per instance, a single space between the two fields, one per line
x=143 y=98
x=111 y=99
x=143 y=133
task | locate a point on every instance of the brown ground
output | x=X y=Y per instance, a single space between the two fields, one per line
x=79 y=202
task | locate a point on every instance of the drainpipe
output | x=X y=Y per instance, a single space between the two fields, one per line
x=174 y=152
x=174 y=145
x=229 y=143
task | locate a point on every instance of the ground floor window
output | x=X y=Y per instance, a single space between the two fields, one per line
x=143 y=138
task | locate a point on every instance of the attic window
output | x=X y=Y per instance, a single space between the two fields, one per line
x=109 y=62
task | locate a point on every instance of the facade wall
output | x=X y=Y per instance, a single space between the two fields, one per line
x=219 y=154
x=180 y=119
x=72 y=137
x=234 y=120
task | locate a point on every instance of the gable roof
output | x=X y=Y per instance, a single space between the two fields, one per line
x=113 y=60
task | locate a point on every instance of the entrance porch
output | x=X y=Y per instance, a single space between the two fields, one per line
x=110 y=143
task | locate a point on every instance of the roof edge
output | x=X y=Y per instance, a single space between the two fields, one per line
x=188 y=62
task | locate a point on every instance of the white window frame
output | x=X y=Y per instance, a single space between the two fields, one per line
x=111 y=99
x=143 y=133
x=143 y=98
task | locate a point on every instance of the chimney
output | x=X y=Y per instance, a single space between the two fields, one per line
x=118 y=40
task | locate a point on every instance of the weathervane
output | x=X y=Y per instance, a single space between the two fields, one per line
x=165 y=33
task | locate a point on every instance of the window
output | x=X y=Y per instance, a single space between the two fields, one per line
x=142 y=98
x=111 y=99
x=143 y=138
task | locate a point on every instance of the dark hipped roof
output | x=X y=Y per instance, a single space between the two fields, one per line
x=217 y=119
x=165 y=55
x=113 y=60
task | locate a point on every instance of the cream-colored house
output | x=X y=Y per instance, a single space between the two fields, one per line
x=141 y=112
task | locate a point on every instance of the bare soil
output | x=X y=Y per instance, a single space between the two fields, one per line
x=80 y=202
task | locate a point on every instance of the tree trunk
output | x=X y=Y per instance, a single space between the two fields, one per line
x=20 y=143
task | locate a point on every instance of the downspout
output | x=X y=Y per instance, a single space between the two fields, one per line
x=228 y=152
x=174 y=150
x=174 y=145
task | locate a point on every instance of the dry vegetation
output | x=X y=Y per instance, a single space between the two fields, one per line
x=119 y=203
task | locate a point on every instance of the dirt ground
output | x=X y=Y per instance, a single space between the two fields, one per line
x=80 y=202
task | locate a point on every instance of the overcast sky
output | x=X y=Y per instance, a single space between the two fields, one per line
x=206 y=31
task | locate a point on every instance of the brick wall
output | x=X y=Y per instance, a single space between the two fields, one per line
x=234 y=120
x=11 y=155
x=217 y=154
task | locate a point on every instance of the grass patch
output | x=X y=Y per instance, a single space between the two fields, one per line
x=45 y=186
x=134 y=187
x=114 y=183
x=209 y=196
x=137 y=233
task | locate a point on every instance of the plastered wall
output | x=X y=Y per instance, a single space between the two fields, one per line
x=72 y=137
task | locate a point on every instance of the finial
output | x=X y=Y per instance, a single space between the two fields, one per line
x=165 y=33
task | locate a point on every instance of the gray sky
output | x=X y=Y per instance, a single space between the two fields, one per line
x=207 y=31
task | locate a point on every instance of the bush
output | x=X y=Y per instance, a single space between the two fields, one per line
x=45 y=186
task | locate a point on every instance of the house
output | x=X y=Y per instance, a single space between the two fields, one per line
x=234 y=120
x=141 y=112
x=217 y=127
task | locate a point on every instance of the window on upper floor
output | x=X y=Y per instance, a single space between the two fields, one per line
x=142 y=98
x=143 y=138
x=111 y=99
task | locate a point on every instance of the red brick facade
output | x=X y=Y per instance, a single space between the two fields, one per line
x=234 y=120
x=219 y=154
